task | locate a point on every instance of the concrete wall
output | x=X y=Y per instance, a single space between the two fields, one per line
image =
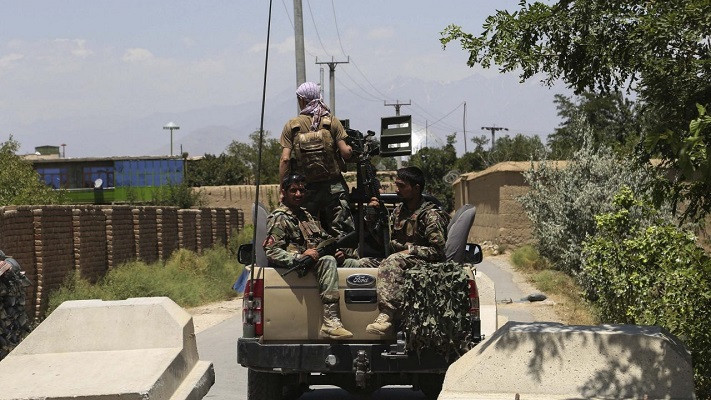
x=50 y=242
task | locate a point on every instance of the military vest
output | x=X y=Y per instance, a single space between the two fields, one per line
x=315 y=152
x=412 y=228
x=311 y=232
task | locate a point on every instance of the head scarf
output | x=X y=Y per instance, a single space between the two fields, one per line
x=315 y=106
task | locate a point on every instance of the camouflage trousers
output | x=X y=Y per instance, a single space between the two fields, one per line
x=328 y=203
x=326 y=271
x=391 y=278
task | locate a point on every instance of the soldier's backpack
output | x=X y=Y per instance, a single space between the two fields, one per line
x=315 y=153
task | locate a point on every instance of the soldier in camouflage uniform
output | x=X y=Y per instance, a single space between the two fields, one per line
x=313 y=144
x=14 y=323
x=292 y=233
x=418 y=234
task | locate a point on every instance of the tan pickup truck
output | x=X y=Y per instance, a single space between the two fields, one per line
x=281 y=346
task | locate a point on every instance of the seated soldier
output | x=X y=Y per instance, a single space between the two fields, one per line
x=292 y=233
x=418 y=234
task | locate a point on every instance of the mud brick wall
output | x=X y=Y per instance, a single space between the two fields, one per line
x=187 y=229
x=54 y=250
x=120 y=243
x=219 y=226
x=89 y=226
x=145 y=232
x=17 y=239
x=167 y=226
x=51 y=242
x=205 y=229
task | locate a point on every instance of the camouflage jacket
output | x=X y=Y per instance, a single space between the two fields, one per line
x=425 y=229
x=289 y=233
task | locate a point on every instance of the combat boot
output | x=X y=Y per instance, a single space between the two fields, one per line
x=382 y=323
x=332 y=327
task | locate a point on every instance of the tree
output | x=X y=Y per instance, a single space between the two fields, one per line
x=476 y=160
x=616 y=122
x=249 y=153
x=436 y=163
x=518 y=148
x=19 y=183
x=219 y=170
x=659 y=49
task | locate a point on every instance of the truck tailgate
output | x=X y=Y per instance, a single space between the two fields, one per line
x=292 y=307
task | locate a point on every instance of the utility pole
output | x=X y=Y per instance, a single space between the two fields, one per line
x=493 y=129
x=464 y=127
x=397 y=104
x=299 y=47
x=332 y=80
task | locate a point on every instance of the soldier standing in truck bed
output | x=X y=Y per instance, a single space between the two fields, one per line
x=291 y=233
x=313 y=145
x=418 y=235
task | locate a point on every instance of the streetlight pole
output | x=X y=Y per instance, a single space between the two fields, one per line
x=171 y=126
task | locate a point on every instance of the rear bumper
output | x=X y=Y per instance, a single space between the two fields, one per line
x=292 y=358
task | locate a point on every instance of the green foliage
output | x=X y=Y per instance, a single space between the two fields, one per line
x=562 y=202
x=19 y=183
x=517 y=148
x=249 y=154
x=181 y=195
x=187 y=278
x=616 y=122
x=641 y=269
x=436 y=163
x=239 y=238
x=436 y=309
x=660 y=49
x=527 y=258
x=225 y=169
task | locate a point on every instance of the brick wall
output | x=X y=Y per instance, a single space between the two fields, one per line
x=50 y=242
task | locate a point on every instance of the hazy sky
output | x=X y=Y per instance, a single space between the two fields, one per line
x=90 y=60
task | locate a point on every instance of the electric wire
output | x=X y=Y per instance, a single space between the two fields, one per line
x=313 y=20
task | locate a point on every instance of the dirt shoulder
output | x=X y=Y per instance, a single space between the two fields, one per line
x=209 y=315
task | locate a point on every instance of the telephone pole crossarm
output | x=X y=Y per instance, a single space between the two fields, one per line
x=332 y=79
x=493 y=130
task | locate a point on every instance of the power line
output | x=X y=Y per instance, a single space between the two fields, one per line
x=335 y=21
x=313 y=20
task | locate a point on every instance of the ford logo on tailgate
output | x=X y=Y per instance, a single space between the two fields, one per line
x=360 y=280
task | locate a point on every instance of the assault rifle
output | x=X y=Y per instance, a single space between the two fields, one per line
x=328 y=247
x=365 y=147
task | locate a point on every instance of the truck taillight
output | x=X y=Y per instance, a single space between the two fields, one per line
x=473 y=298
x=257 y=306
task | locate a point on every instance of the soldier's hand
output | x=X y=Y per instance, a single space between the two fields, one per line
x=313 y=253
x=340 y=256
x=4 y=267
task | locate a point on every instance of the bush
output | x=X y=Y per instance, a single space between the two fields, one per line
x=641 y=269
x=181 y=195
x=527 y=258
x=187 y=278
x=562 y=203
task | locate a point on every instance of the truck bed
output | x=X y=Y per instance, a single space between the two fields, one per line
x=292 y=307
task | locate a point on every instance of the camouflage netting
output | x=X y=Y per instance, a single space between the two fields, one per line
x=14 y=323
x=436 y=309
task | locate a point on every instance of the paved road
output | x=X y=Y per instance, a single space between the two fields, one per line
x=219 y=345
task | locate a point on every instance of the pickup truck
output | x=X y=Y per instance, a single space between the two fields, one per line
x=281 y=346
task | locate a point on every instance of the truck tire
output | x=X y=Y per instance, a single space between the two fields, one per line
x=264 y=385
x=431 y=385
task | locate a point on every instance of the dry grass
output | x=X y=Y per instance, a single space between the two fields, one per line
x=560 y=287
